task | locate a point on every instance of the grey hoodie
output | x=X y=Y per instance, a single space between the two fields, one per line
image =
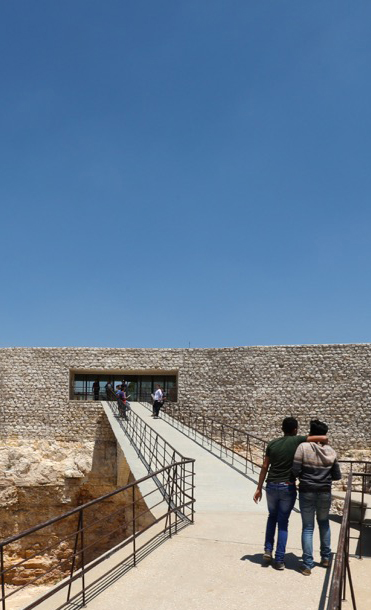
x=316 y=467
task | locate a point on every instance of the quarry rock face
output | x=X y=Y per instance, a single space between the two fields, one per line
x=42 y=479
x=31 y=462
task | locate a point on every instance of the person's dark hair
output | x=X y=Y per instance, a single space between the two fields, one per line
x=289 y=424
x=318 y=428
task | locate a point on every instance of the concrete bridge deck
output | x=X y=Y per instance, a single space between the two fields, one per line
x=216 y=563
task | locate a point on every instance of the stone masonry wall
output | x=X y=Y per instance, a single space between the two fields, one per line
x=249 y=387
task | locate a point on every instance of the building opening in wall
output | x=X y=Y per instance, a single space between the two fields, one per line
x=84 y=386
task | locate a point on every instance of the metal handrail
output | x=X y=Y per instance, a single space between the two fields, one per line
x=196 y=423
x=177 y=507
x=341 y=572
x=140 y=433
x=173 y=475
x=153 y=449
x=238 y=443
x=215 y=432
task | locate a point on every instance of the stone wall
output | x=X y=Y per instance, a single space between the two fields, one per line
x=249 y=387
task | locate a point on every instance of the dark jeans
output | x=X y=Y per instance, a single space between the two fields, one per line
x=156 y=407
x=280 y=499
x=122 y=408
x=312 y=503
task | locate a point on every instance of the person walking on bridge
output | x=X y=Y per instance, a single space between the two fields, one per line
x=280 y=489
x=121 y=402
x=158 y=402
x=316 y=466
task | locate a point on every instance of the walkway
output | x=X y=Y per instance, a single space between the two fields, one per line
x=216 y=563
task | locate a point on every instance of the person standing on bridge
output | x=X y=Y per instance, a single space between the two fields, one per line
x=158 y=401
x=280 y=489
x=109 y=391
x=121 y=402
x=316 y=466
x=96 y=389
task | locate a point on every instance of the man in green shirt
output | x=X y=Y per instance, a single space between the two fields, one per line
x=280 y=489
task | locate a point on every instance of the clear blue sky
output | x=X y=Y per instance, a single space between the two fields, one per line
x=185 y=172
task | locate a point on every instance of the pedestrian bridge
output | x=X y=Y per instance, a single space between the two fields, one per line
x=215 y=562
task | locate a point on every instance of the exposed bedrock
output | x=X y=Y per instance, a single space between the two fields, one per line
x=41 y=479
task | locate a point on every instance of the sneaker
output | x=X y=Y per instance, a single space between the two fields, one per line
x=267 y=556
x=279 y=565
x=305 y=571
x=325 y=563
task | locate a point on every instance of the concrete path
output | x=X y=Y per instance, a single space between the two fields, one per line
x=216 y=563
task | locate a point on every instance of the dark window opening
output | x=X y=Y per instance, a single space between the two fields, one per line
x=140 y=387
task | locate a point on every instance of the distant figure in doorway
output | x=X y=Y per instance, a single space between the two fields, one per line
x=96 y=390
x=109 y=391
x=158 y=401
x=316 y=466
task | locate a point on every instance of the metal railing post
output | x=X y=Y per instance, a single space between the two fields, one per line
x=169 y=503
x=174 y=501
x=193 y=492
x=82 y=558
x=361 y=516
x=74 y=556
x=232 y=446
x=2 y=577
x=134 y=528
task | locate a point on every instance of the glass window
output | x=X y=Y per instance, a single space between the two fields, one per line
x=140 y=387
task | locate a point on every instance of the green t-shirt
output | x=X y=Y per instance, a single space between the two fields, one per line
x=281 y=453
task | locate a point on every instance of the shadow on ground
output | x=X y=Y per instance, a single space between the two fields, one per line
x=112 y=575
x=291 y=561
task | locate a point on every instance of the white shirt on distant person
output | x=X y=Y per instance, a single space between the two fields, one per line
x=158 y=395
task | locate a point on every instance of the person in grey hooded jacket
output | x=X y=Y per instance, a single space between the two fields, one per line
x=316 y=466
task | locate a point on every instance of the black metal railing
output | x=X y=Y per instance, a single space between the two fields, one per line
x=356 y=473
x=356 y=468
x=243 y=448
x=342 y=573
x=80 y=539
x=154 y=450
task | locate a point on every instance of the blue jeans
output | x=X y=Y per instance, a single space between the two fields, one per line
x=312 y=502
x=280 y=499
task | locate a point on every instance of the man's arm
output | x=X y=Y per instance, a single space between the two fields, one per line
x=263 y=472
x=318 y=439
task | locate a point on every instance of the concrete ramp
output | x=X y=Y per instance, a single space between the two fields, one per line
x=216 y=563
x=137 y=468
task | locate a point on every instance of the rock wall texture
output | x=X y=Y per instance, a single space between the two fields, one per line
x=41 y=479
x=248 y=387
